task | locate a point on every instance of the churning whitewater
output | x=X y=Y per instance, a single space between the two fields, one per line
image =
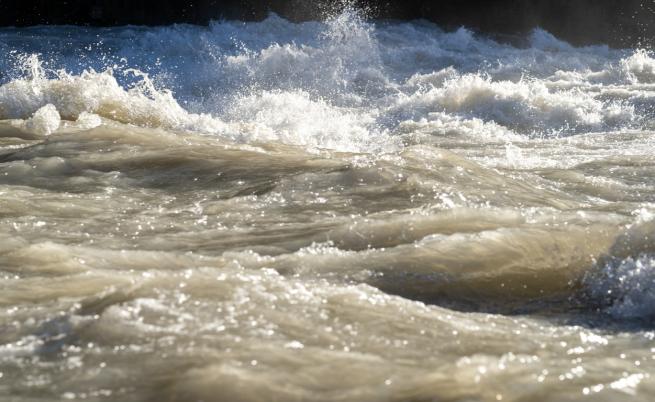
x=343 y=210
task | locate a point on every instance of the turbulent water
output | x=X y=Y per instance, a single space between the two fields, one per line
x=343 y=210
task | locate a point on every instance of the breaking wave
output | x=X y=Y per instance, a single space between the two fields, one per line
x=345 y=84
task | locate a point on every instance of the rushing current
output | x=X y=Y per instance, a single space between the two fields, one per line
x=345 y=210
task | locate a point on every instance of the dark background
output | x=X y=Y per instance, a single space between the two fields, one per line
x=614 y=22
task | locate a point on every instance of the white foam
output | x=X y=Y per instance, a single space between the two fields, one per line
x=527 y=106
x=346 y=83
x=44 y=121
x=88 y=120
x=645 y=214
x=624 y=281
x=98 y=93
x=293 y=117
x=639 y=67
x=627 y=285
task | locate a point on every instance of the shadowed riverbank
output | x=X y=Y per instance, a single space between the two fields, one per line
x=618 y=24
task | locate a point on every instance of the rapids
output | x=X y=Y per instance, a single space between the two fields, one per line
x=346 y=210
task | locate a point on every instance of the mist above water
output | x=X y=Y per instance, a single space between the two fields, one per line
x=338 y=210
